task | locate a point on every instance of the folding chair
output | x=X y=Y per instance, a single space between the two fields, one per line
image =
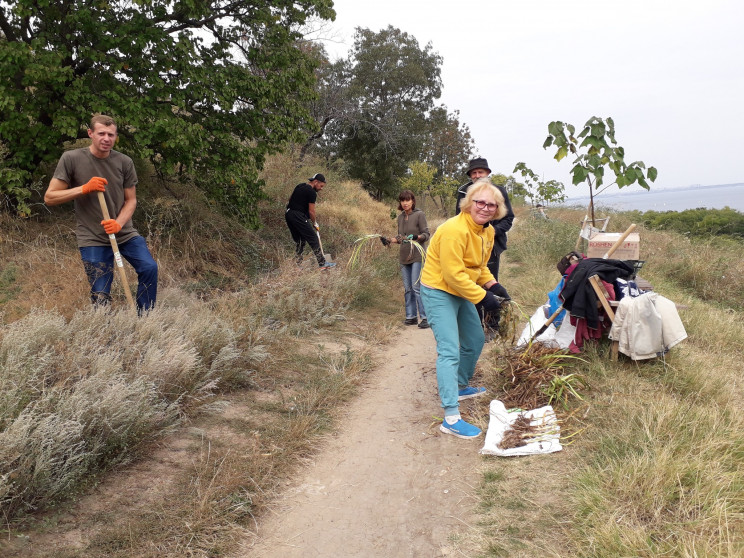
x=603 y=297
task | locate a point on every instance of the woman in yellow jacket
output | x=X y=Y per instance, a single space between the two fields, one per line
x=454 y=279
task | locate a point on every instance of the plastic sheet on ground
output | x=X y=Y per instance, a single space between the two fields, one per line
x=559 y=339
x=501 y=420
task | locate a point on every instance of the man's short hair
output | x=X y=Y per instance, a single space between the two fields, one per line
x=103 y=119
x=476 y=189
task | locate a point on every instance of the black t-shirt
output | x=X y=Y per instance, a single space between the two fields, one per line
x=302 y=197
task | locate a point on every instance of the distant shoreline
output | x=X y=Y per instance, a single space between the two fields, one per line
x=716 y=196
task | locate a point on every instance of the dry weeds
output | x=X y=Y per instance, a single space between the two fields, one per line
x=528 y=375
x=81 y=395
x=656 y=473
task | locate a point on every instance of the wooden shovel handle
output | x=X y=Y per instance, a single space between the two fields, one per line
x=619 y=241
x=117 y=255
x=545 y=326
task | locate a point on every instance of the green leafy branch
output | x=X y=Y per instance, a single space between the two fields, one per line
x=538 y=190
x=596 y=148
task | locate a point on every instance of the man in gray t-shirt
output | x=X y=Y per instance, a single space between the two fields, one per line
x=79 y=176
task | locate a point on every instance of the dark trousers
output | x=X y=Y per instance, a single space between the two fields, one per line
x=99 y=268
x=491 y=319
x=303 y=232
x=493 y=264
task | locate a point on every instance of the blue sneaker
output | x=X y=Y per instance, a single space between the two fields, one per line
x=328 y=265
x=468 y=392
x=461 y=429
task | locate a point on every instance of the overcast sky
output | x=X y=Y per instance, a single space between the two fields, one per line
x=670 y=73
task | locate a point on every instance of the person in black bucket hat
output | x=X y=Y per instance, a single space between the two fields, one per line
x=300 y=217
x=478 y=163
x=478 y=168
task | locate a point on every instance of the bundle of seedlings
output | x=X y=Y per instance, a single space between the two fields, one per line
x=359 y=245
x=509 y=317
x=523 y=431
x=537 y=376
x=366 y=242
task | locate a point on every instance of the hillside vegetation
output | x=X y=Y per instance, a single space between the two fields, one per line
x=656 y=466
x=83 y=390
x=655 y=469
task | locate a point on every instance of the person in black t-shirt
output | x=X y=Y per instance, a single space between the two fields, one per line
x=300 y=217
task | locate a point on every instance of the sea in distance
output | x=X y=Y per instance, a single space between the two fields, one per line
x=669 y=199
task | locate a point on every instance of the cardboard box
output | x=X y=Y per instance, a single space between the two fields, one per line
x=600 y=243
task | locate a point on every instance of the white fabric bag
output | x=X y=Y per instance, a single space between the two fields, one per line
x=500 y=420
x=557 y=339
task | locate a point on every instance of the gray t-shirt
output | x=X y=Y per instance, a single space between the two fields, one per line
x=77 y=167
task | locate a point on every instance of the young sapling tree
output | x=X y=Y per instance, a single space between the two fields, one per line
x=539 y=191
x=595 y=148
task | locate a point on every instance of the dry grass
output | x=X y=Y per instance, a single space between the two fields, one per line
x=82 y=394
x=235 y=475
x=657 y=469
x=84 y=391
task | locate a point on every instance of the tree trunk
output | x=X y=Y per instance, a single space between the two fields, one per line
x=319 y=134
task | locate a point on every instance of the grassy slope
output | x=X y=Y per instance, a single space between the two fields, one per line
x=656 y=472
x=235 y=316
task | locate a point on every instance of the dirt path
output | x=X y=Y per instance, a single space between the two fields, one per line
x=388 y=484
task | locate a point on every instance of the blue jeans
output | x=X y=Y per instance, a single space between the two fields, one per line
x=99 y=267
x=460 y=339
x=412 y=286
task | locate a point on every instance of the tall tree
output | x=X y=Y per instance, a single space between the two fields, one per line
x=333 y=104
x=393 y=82
x=448 y=144
x=204 y=89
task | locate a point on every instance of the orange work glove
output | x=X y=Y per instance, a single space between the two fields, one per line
x=111 y=226
x=95 y=184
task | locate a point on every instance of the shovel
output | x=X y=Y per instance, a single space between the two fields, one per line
x=327 y=257
x=611 y=251
x=117 y=254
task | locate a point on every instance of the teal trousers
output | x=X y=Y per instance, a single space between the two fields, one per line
x=460 y=339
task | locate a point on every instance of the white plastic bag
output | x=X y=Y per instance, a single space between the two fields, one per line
x=537 y=320
x=557 y=339
x=501 y=420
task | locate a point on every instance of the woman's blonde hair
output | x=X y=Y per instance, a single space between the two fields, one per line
x=476 y=190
